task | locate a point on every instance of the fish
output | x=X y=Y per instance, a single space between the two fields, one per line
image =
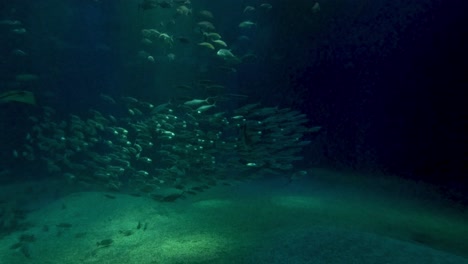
x=183 y=10
x=146 y=105
x=145 y=159
x=151 y=4
x=205 y=82
x=106 y=98
x=146 y=41
x=18 y=52
x=215 y=87
x=19 y=31
x=207 y=45
x=150 y=33
x=206 y=25
x=160 y=108
x=196 y=102
x=248 y=57
x=316 y=7
x=206 y=14
x=227 y=56
x=204 y=108
x=129 y=100
x=220 y=43
x=26 y=77
x=247 y=24
x=183 y=87
x=212 y=35
x=171 y=56
x=249 y=9
x=21 y=96
x=10 y=22
x=181 y=2
x=315 y=129
x=243 y=38
x=266 y=6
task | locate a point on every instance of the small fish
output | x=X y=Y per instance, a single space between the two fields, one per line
x=183 y=10
x=107 y=98
x=316 y=8
x=196 y=102
x=205 y=108
x=171 y=56
x=206 y=25
x=183 y=87
x=19 y=31
x=10 y=22
x=151 y=4
x=181 y=2
x=18 y=96
x=266 y=111
x=315 y=129
x=220 y=43
x=249 y=57
x=18 y=52
x=215 y=87
x=225 y=53
x=212 y=35
x=146 y=41
x=247 y=24
x=266 y=6
x=161 y=107
x=129 y=100
x=249 y=9
x=26 y=77
x=168 y=133
x=147 y=105
x=207 y=45
x=227 y=56
x=206 y=14
x=205 y=82
x=142 y=172
x=145 y=159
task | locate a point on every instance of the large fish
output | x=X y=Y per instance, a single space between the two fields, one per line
x=18 y=96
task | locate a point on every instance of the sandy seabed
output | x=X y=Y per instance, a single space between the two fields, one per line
x=328 y=217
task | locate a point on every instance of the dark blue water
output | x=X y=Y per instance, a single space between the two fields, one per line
x=385 y=79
